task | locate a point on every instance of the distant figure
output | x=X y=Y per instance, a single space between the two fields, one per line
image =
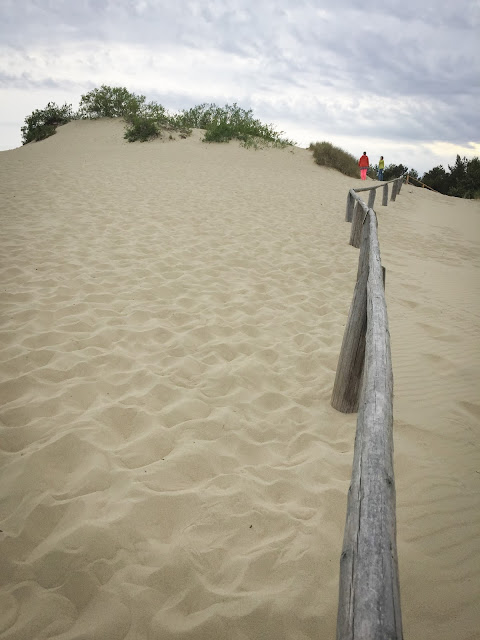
x=363 y=163
x=381 y=167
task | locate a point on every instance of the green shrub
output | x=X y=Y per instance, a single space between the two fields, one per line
x=110 y=102
x=40 y=133
x=144 y=120
x=199 y=117
x=231 y=122
x=222 y=131
x=327 y=155
x=156 y=112
x=142 y=128
x=43 y=123
x=148 y=123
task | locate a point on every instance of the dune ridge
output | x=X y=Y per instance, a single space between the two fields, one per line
x=172 y=315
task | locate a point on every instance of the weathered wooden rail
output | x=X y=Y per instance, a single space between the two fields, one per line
x=369 y=593
x=351 y=200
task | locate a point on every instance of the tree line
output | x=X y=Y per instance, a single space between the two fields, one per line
x=462 y=179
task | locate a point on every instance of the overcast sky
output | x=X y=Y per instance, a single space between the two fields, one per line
x=399 y=79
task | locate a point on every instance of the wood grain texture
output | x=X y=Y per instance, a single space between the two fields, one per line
x=347 y=385
x=369 y=595
x=359 y=213
x=394 y=191
x=385 y=195
x=350 y=206
x=371 y=198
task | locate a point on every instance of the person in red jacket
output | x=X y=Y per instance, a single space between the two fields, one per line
x=363 y=163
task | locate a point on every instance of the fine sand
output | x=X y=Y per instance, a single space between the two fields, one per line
x=171 y=320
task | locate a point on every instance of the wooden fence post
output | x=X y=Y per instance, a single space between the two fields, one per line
x=394 y=191
x=400 y=183
x=348 y=378
x=350 y=205
x=371 y=198
x=385 y=195
x=357 y=224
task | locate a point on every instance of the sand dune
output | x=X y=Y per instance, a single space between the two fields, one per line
x=172 y=315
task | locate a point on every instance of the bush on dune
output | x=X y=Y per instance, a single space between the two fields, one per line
x=146 y=121
x=151 y=121
x=234 y=123
x=327 y=155
x=143 y=120
x=231 y=122
x=199 y=117
x=142 y=128
x=110 y=102
x=43 y=123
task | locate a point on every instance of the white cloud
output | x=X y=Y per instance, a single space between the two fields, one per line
x=441 y=149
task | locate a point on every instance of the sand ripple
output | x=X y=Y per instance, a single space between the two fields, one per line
x=172 y=315
x=171 y=465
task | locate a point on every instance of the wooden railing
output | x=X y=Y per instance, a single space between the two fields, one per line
x=369 y=594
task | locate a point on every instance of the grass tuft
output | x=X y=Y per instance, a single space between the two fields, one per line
x=327 y=155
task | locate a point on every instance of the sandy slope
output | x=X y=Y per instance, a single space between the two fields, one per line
x=431 y=248
x=172 y=315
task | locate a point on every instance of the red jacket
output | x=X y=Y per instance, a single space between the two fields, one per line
x=363 y=162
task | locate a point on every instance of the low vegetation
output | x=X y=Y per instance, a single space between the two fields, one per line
x=327 y=155
x=142 y=128
x=231 y=122
x=42 y=123
x=110 y=102
x=146 y=121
